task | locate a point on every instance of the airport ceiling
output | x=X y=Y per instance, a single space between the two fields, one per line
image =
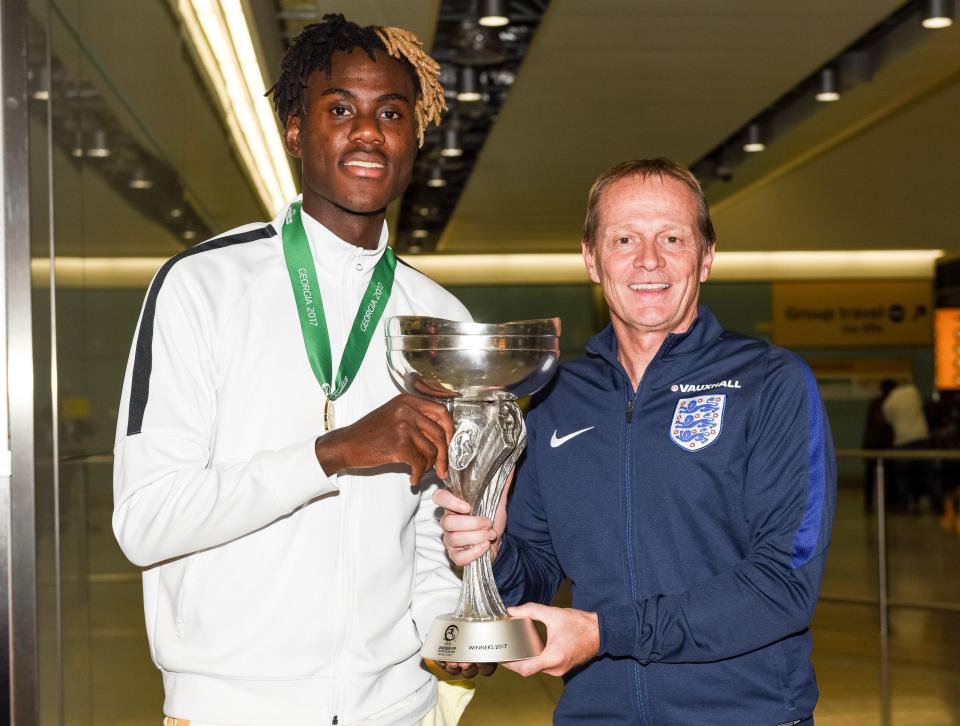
x=608 y=80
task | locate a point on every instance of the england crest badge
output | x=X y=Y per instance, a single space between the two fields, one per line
x=697 y=421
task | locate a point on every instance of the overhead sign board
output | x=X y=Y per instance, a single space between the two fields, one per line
x=852 y=314
x=947 y=348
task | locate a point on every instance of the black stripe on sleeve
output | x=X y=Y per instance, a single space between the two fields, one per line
x=143 y=359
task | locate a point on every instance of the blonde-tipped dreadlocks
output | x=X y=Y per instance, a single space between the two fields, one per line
x=404 y=45
x=315 y=46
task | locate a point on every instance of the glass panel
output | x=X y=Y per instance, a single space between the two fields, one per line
x=138 y=167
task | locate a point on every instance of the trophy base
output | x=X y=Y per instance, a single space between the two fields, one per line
x=481 y=641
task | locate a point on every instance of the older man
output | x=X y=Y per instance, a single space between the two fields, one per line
x=681 y=475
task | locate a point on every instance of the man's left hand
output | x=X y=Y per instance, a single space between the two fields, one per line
x=573 y=637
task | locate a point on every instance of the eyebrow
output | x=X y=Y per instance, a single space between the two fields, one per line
x=345 y=93
x=666 y=227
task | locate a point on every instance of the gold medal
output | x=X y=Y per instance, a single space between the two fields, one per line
x=328 y=420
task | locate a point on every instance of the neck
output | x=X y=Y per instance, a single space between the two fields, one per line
x=635 y=350
x=360 y=229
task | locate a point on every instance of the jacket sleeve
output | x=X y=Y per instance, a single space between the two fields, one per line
x=436 y=587
x=169 y=500
x=788 y=502
x=526 y=568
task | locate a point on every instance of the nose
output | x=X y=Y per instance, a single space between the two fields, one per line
x=366 y=129
x=648 y=255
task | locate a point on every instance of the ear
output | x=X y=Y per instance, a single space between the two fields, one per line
x=589 y=260
x=291 y=136
x=706 y=262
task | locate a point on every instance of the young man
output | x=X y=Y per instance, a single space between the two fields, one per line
x=681 y=475
x=290 y=568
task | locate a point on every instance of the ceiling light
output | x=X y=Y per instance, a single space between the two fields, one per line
x=176 y=212
x=140 y=180
x=492 y=14
x=451 y=144
x=475 y=45
x=436 y=179
x=42 y=78
x=754 y=141
x=730 y=155
x=99 y=149
x=938 y=14
x=221 y=39
x=77 y=151
x=189 y=234
x=526 y=268
x=828 y=90
x=469 y=91
x=419 y=234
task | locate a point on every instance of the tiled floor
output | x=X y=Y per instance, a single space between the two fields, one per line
x=109 y=679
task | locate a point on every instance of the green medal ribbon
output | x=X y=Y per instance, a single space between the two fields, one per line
x=313 y=323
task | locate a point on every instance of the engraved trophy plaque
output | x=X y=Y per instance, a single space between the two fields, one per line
x=479 y=371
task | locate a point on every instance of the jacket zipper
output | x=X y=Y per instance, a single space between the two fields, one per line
x=628 y=500
x=628 y=522
x=342 y=580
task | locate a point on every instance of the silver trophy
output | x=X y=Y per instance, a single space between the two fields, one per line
x=479 y=371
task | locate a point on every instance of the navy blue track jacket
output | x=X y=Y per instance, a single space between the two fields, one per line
x=693 y=515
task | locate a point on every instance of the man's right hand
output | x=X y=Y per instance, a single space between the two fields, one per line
x=405 y=430
x=465 y=537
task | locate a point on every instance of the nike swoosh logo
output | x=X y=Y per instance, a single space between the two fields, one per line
x=555 y=442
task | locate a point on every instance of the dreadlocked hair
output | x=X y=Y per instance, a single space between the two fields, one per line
x=313 y=49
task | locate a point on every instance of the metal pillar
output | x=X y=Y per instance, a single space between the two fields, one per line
x=883 y=594
x=18 y=584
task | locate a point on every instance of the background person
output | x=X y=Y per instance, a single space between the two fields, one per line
x=903 y=410
x=681 y=475
x=877 y=434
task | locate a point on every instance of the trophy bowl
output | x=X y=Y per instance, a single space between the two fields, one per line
x=479 y=371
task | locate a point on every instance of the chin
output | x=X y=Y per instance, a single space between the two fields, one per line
x=365 y=207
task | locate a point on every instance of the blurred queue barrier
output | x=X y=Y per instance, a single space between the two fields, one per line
x=915 y=553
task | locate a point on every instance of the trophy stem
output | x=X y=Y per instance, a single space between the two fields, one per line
x=490 y=438
x=479 y=599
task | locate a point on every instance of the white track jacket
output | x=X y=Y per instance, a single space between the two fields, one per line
x=273 y=593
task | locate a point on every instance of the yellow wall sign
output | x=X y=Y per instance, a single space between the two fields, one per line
x=851 y=314
x=947 y=346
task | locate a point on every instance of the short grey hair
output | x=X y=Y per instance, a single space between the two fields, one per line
x=646 y=168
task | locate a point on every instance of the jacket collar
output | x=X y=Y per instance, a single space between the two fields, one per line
x=330 y=251
x=704 y=330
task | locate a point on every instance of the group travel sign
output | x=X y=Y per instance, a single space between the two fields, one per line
x=846 y=314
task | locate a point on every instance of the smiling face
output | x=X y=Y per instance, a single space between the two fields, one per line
x=356 y=138
x=648 y=257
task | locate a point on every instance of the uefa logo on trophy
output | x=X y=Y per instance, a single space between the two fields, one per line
x=479 y=371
